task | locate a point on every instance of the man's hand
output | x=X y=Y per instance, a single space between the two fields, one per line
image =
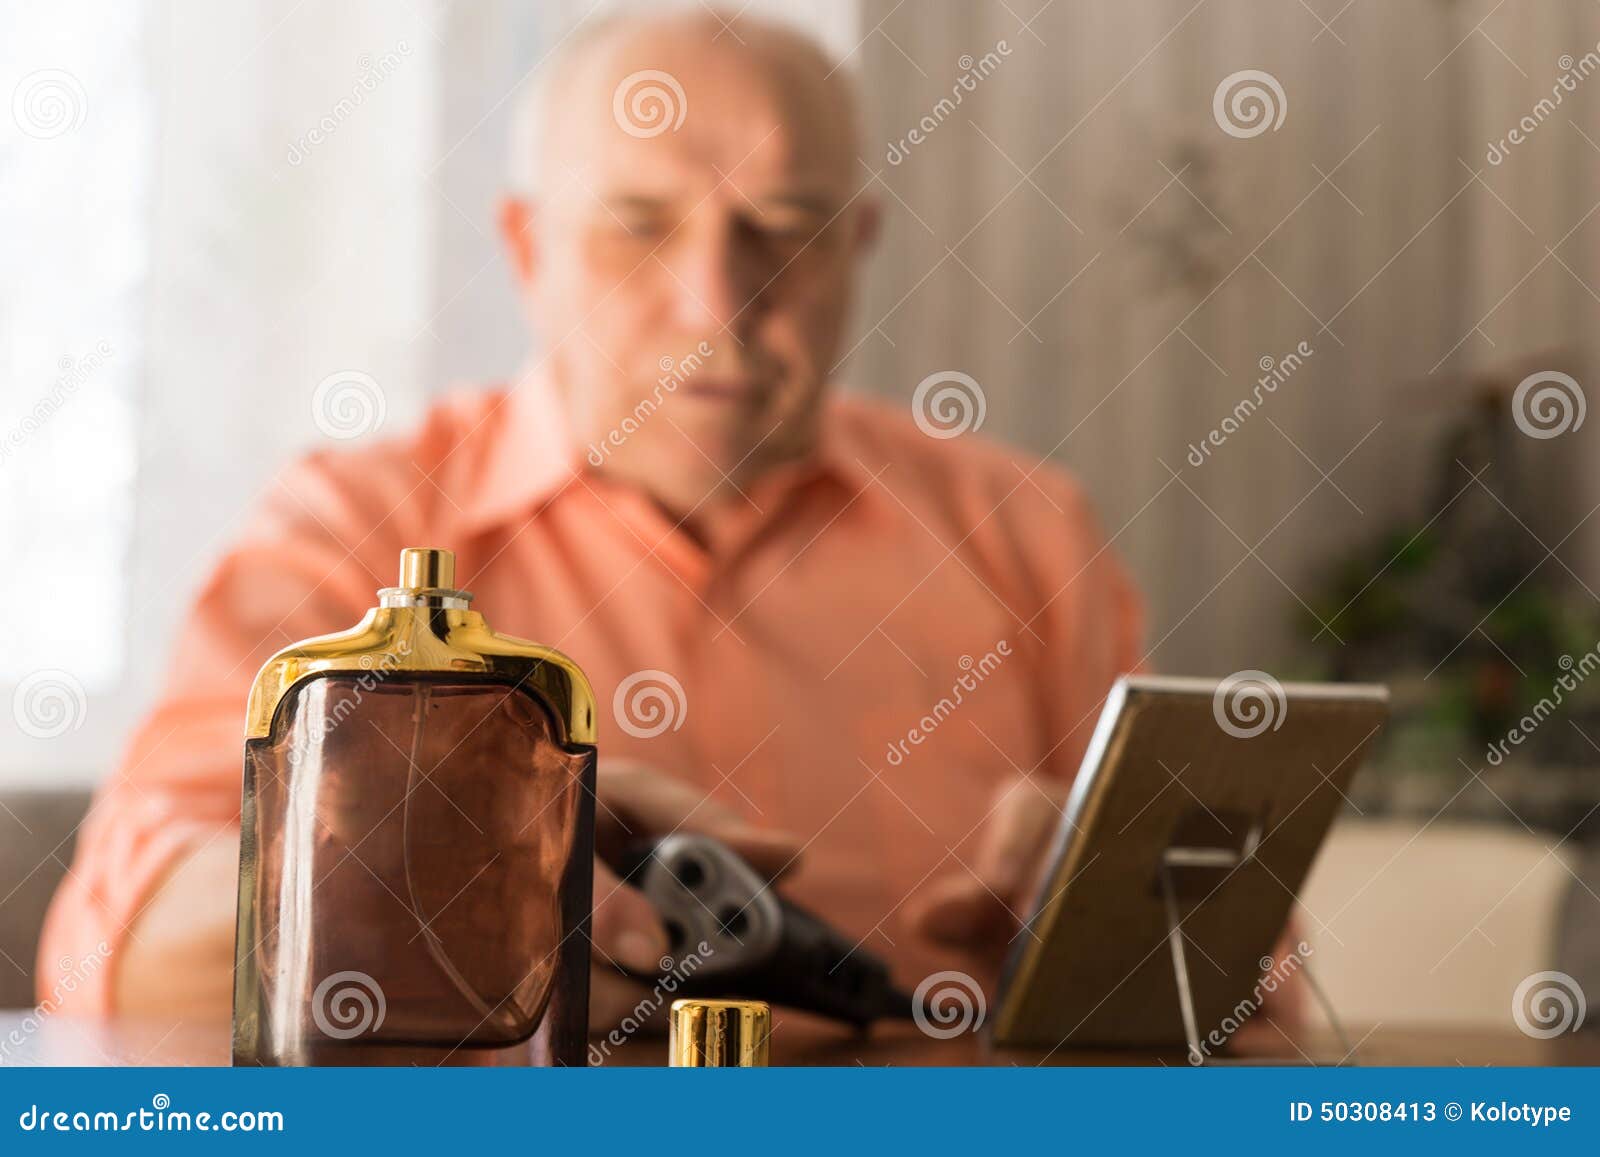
x=637 y=802
x=981 y=905
x=177 y=961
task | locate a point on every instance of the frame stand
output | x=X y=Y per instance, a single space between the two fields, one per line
x=1176 y=861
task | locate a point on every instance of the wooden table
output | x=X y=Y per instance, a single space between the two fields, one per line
x=801 y=1040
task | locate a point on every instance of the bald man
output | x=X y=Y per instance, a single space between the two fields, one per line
x=885 y=646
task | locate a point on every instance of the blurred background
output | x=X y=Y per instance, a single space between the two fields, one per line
x=1121 y=221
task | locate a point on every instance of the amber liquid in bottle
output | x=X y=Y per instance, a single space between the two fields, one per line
x=417 y=850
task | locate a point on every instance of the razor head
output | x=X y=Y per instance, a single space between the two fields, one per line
x=731 y=934
x=711 y=902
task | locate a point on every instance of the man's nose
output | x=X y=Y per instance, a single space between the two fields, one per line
x=713 y=281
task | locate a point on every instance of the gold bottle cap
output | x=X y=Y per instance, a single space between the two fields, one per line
x=425 y=568
x=719 y=1034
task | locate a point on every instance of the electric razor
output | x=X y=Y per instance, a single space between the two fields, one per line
x=732 y=935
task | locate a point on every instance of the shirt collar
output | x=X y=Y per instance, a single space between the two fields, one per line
x=532 y=456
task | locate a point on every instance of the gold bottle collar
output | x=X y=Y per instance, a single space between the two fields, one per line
x=425 y=624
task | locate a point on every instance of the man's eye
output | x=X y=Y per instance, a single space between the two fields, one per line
x=639 y=226
x=785 y=228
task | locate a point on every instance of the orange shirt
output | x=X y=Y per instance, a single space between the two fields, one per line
x=868 y=647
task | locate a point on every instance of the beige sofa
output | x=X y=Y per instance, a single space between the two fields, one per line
x=1439 y=923
x=37 y=832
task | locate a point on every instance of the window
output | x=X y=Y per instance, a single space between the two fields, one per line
x=76 y=140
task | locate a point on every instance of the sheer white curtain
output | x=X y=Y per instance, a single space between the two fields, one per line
x=292 y=244
x=209 y=210
x=76 y=183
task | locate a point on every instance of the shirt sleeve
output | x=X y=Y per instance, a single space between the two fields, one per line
x=322 y=541
x=1090 y=623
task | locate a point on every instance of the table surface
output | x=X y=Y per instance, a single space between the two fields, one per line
x=801 y=1040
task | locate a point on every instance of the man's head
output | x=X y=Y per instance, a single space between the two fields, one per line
x=689 y=186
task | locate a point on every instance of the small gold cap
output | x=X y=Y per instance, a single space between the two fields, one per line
x=719 y=1033
x=426 y=568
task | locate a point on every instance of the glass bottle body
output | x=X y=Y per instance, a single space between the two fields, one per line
x=415 y=876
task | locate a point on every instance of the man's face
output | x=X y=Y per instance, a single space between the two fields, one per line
x=691 y=282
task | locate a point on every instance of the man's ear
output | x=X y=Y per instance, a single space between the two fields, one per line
x=517 y=231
